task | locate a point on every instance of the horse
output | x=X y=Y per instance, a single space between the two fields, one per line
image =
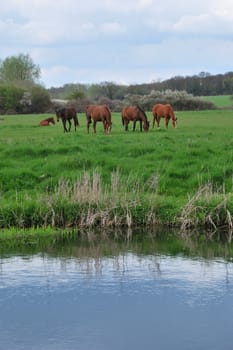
x=99 y=113
x=67 y=114
x=163 y=111
x=134 y=113
x=47 y=121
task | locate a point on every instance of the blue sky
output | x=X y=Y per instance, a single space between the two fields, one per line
x=124 y=41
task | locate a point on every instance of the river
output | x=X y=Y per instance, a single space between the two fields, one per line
x=144 y=292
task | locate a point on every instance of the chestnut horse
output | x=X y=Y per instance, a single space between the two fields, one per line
x=99 y=113
x=67 y=114
x=47 y=121
x=134 y=113
x=163 y=111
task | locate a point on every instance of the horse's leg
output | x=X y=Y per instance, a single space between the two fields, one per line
x=134 y=125
x=75 y=124
x=158 y=121
x=166 y=121
x=69 y=121
x=126 y=125
x=64 y=125
x=153 y=122
x=94 y=126
x=105 y=126
x=88 y=126
x=140 y=125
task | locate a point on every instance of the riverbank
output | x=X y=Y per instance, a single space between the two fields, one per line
x=68 y=209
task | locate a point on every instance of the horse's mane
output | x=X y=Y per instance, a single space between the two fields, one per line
x=108 y=110
x=141 y=110
x=171 y=112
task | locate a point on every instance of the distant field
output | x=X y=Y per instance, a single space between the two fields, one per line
x=51 y=178
x=220 y=101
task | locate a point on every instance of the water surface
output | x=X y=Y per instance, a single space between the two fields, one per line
x=116 y=295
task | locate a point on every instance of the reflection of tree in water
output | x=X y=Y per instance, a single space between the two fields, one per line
x=90 y=252
x=98 y=249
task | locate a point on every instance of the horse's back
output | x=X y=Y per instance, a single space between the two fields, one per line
x=71 y=112
x=162 y=110
x=98 y=112
x=158 y=108
x=129 y=112
x=66 y=112
x=44 y=123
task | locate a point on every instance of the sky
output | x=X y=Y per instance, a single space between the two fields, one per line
x=120 y=41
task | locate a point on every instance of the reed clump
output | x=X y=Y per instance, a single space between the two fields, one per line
x=85 y=202
x=89 y=202
x=209 y=209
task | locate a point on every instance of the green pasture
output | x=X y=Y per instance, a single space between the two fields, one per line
x=220 y=101
x=174 y=176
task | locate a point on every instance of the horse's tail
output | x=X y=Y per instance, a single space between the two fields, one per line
x=88 y=114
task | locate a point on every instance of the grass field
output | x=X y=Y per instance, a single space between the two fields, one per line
x=181 y=177
x=220 y=101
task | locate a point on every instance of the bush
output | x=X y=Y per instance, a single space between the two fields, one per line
x=15 y=99
x=180 y=100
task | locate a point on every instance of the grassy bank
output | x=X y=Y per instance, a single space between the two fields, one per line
x=179 y=177
x=221 y=101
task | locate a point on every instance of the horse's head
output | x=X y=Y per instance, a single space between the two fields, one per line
x=146 y=125
x=58 y=113
x=108 y=127
x=174 y=122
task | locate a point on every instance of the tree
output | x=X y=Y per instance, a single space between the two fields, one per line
x=10 y=97
x=108 y=89
x=18 y=69
x=76 y=95
x=40 y=99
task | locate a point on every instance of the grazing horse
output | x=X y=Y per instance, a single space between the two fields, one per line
x=134 y=113
x=99 y=113
x=47 y=121
x=163 y=111
x=67 y=114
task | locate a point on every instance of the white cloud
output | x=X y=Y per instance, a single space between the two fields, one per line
x=133 y=40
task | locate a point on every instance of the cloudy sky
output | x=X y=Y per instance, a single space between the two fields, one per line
x=124 y=41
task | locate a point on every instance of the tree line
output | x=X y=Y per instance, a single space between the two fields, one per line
x=203 y=84
x=21 y=92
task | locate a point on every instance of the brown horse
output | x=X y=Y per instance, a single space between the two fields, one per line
x=67 y=114
x=47 y=121
x=134 y=114
x=163 y=111
x=99 y=113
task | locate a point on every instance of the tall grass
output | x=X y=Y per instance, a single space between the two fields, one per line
x=48 y=178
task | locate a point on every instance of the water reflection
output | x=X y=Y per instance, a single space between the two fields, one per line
x=109 y=294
